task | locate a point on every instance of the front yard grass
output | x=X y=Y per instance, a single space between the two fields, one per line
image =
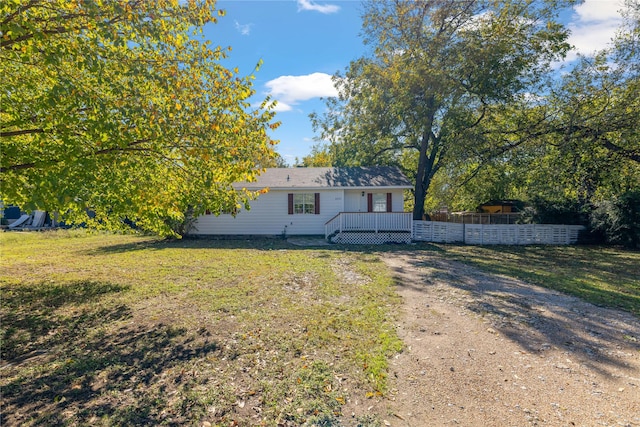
x=101 y=329
x=605 y=276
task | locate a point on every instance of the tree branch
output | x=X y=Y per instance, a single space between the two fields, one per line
x=384 y=150
x=9 y=134
x=130 y=147
x=19 y=10
x=629 y=154
x=60 y=30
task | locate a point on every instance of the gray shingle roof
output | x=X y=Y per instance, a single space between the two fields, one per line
x=316 y=178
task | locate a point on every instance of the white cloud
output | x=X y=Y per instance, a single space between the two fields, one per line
x=244 y=29
x=289 y=90
x=593 y=25
x=599 y=10
x=281 y=106
x=322 y=8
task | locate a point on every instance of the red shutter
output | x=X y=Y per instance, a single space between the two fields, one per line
x=369 y=202
x=317 y=203
x=389 y=202
x=290 y=203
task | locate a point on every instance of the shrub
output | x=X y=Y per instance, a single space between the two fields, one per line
x=543 y=211
x=619 y=219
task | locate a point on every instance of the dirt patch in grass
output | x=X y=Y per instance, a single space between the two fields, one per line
x=485 y=349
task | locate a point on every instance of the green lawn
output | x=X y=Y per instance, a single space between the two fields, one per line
x=102 y=329
x=604 y=276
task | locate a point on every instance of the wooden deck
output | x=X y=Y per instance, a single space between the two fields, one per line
x=370 y=227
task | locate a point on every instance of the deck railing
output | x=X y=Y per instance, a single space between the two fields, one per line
x=369 y=222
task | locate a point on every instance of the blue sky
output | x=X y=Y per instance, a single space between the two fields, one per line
x=302 y=43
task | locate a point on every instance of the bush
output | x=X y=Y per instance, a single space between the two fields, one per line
x=542 y=211
x=619 y=219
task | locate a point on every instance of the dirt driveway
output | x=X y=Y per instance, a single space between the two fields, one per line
x=486 y=350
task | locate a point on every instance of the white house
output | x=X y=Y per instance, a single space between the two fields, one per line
x=347 y=205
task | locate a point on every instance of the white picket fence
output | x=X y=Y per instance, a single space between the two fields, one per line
x=496 y=234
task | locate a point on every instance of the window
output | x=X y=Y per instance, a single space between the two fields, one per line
x=304 y=203
x=379 y=202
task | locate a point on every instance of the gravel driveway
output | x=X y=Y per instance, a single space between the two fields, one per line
x=487 y=350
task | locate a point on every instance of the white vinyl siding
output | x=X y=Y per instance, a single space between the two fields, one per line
x=269 y=216
x=397 y=200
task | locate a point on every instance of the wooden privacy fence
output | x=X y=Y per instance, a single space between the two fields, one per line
x=496 y=234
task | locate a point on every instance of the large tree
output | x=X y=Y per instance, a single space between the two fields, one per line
x=602 y=95
x=586 y=148
x=442 y=77
x=583 y=140
x=121 y=107
x=595 y=115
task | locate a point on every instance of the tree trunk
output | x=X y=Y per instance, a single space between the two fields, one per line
x=422 y=185
x=425 y=164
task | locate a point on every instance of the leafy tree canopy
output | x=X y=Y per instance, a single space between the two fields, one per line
x=444 y=79
x=318 y=157
x=594 y=115
x=583 y=140
x=120 y=107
